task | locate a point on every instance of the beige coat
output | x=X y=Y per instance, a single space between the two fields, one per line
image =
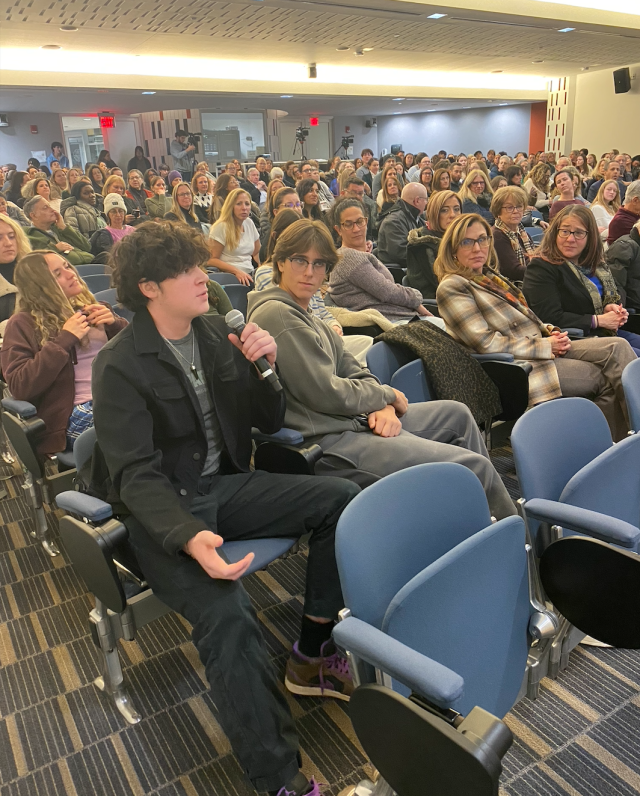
x=487 y=324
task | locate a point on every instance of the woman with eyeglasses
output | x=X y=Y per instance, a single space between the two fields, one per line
x=511 y=240
x=423 y=243
x=281 y=199
x=571 y=283
x=182 y=209
x=489 y=315
x=476 y=194
x=360 y=281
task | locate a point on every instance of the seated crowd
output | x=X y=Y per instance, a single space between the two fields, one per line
x=512 y=252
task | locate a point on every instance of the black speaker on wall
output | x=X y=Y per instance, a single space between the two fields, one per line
x=622 y=80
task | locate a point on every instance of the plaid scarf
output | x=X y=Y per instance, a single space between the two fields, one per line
x=520 y=241
x=499 y=286
x=609 y=289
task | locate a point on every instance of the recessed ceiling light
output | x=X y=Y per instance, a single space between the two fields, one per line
x=68 y=28
x=367 y=49
x=436 y=16
x=538 y=61
x=497 y=71
x=342 y=49
x=51 y=47
x=398 y=99
x=503 y=103
x=565 y=30
x=286 y=96
x=148 y=92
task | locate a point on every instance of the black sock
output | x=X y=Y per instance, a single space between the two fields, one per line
x=313 y=635
x=298 y=785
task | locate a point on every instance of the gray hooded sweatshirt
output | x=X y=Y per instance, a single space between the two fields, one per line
x=324 y=385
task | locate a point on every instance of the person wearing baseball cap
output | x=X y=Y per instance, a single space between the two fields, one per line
x=115 y=210
x=182 y=155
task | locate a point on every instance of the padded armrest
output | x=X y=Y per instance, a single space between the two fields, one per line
x=493 y=357
x=573 y=332
x=20 y=408
x=590 y=523
x=427 y=677
x=286 y=436
x=429 y=302
x=85 y=506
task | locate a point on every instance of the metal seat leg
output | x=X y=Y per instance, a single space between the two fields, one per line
x=33 y=491
x=112 y=679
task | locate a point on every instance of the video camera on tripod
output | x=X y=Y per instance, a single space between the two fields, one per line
x=347 y=140
x=193 y=139
x=302 y=133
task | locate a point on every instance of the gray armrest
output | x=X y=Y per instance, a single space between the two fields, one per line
x=590 y=523
x=427 y=677
x=20 y=408
x=578 y=334
x=493 y=357
x=84 y=506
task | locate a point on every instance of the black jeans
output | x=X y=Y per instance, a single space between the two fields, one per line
x=251 y=708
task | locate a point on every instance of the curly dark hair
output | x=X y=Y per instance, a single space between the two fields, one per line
x=153 y=253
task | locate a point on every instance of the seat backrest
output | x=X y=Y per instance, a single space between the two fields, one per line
x=223 y=278
x=83 y=447
x=383 y=360
x=237 y=295
x=554 y=440
x=398 y=526
x=97 y=282
x=411 y=380
x=610 y=483
x=92 y=268
x=631 y=385
x=110 y=296
x=469 y=610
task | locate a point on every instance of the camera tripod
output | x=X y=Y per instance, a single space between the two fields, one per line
x=301 y=142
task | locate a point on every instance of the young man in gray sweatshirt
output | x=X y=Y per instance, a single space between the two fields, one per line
x=360 y=424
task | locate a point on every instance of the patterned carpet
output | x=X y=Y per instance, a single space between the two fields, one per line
x=59 y=736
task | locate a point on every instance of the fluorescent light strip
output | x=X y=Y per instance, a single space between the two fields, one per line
x=60 y=61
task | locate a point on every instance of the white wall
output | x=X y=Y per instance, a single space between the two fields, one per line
x=316 y=146
x=17 y=142
x=363 y=137
x=503 y=128
x=604 y=120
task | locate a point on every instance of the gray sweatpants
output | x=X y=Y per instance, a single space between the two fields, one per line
x=435 y=431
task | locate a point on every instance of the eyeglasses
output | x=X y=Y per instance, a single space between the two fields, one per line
x=578 y=234
x=291 y=205
x=469 y=243
x=301 y=264
x=478 y=182
x=358 y=222
x=513 y=208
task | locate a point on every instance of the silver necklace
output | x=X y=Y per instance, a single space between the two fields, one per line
x=192 y=364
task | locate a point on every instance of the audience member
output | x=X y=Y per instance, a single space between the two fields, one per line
x=116 y=211
x=364 y=172
x=73 y=175
x=537 y=184
x=80 y=211
x=174 y=177
x=40 y=187
x=352 y=187
x=138 y=162
x=605 y=206
x=423 y=243
x=327 y=391
x=16 y=184
x=476 y=194
x=105 y=157
x=426 y=178
x=95 y=175
x=612 y=172
x=49 y=231
x=309 y=197
x=14 y=244
x=263 y=171
x=254 y=186
x=569 y=283
x=59 y=184
x=235 y=242
x=202 y=189
x=115 y=184
x=405 y=215
x=49 y=346
x=359 y=280
x=158 y=203
x=441 y=180
x=182 y=208
x=139 y=194
x=225 y=184
x=146 y=177
x=389 y=194
x=183 y=155
x=57 y=154
x=626 y=216
x=499 y=168
x=489 y=314
x=311 y=170
x=455 y=174
x=623 y=258
x=513 y=246
x=13 y=212
x=568 y=192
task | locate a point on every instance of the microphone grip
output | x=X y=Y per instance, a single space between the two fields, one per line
x=262 y=364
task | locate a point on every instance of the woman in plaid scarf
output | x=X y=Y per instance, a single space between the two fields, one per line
x=512 y=243
x=490 y=315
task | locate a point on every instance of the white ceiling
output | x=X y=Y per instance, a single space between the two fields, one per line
x=90 y=101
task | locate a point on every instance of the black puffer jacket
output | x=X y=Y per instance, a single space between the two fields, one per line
x=422 y=250
x=623 y=258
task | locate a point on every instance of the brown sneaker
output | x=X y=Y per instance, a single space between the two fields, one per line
x=326 y=676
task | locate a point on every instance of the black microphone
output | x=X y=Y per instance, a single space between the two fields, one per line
x=235 y=320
